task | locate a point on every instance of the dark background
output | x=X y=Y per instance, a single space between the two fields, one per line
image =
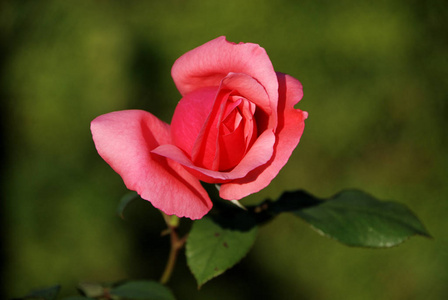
x=375 y=77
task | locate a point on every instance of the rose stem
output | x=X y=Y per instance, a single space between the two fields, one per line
x=176 y=244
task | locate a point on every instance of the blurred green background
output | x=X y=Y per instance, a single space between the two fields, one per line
x=375 y=77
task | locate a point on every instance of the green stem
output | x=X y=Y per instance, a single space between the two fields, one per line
x=176 y=244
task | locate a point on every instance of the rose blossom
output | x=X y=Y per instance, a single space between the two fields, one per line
x=235 y=125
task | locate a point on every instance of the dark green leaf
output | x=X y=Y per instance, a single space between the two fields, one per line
x=78 y=298
x=49 y=293
x=124 y=202
x=288 y=202
x=354 y=218
x=216 y=243
x=142 y=290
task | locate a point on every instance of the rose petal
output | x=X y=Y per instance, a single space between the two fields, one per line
x=249 y=88
x=232 y=147
x=250 y=126
x=208 y=64
x=206 y=148
x=237 y=134
x=190 y=116
x=289 y=130
x=259 y=154
x=124 y=139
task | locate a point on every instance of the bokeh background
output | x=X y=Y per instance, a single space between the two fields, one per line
x=375 y=77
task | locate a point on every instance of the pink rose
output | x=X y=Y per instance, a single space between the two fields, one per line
x=235 y=125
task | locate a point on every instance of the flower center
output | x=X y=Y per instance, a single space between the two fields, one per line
x=215 y=127
x=236 y=133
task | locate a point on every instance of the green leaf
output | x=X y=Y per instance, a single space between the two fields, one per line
x=124 y=202
x=354 y=218
x=216 y=243
x=142 y=290
x=77 y=298
x=48 y=293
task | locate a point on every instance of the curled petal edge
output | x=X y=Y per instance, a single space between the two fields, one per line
x=124 y=139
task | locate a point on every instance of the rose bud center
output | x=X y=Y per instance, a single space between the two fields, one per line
x=215 y=129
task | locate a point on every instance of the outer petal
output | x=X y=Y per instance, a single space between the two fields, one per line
x=124 y=139
x=289 y=130
x=208 y=64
